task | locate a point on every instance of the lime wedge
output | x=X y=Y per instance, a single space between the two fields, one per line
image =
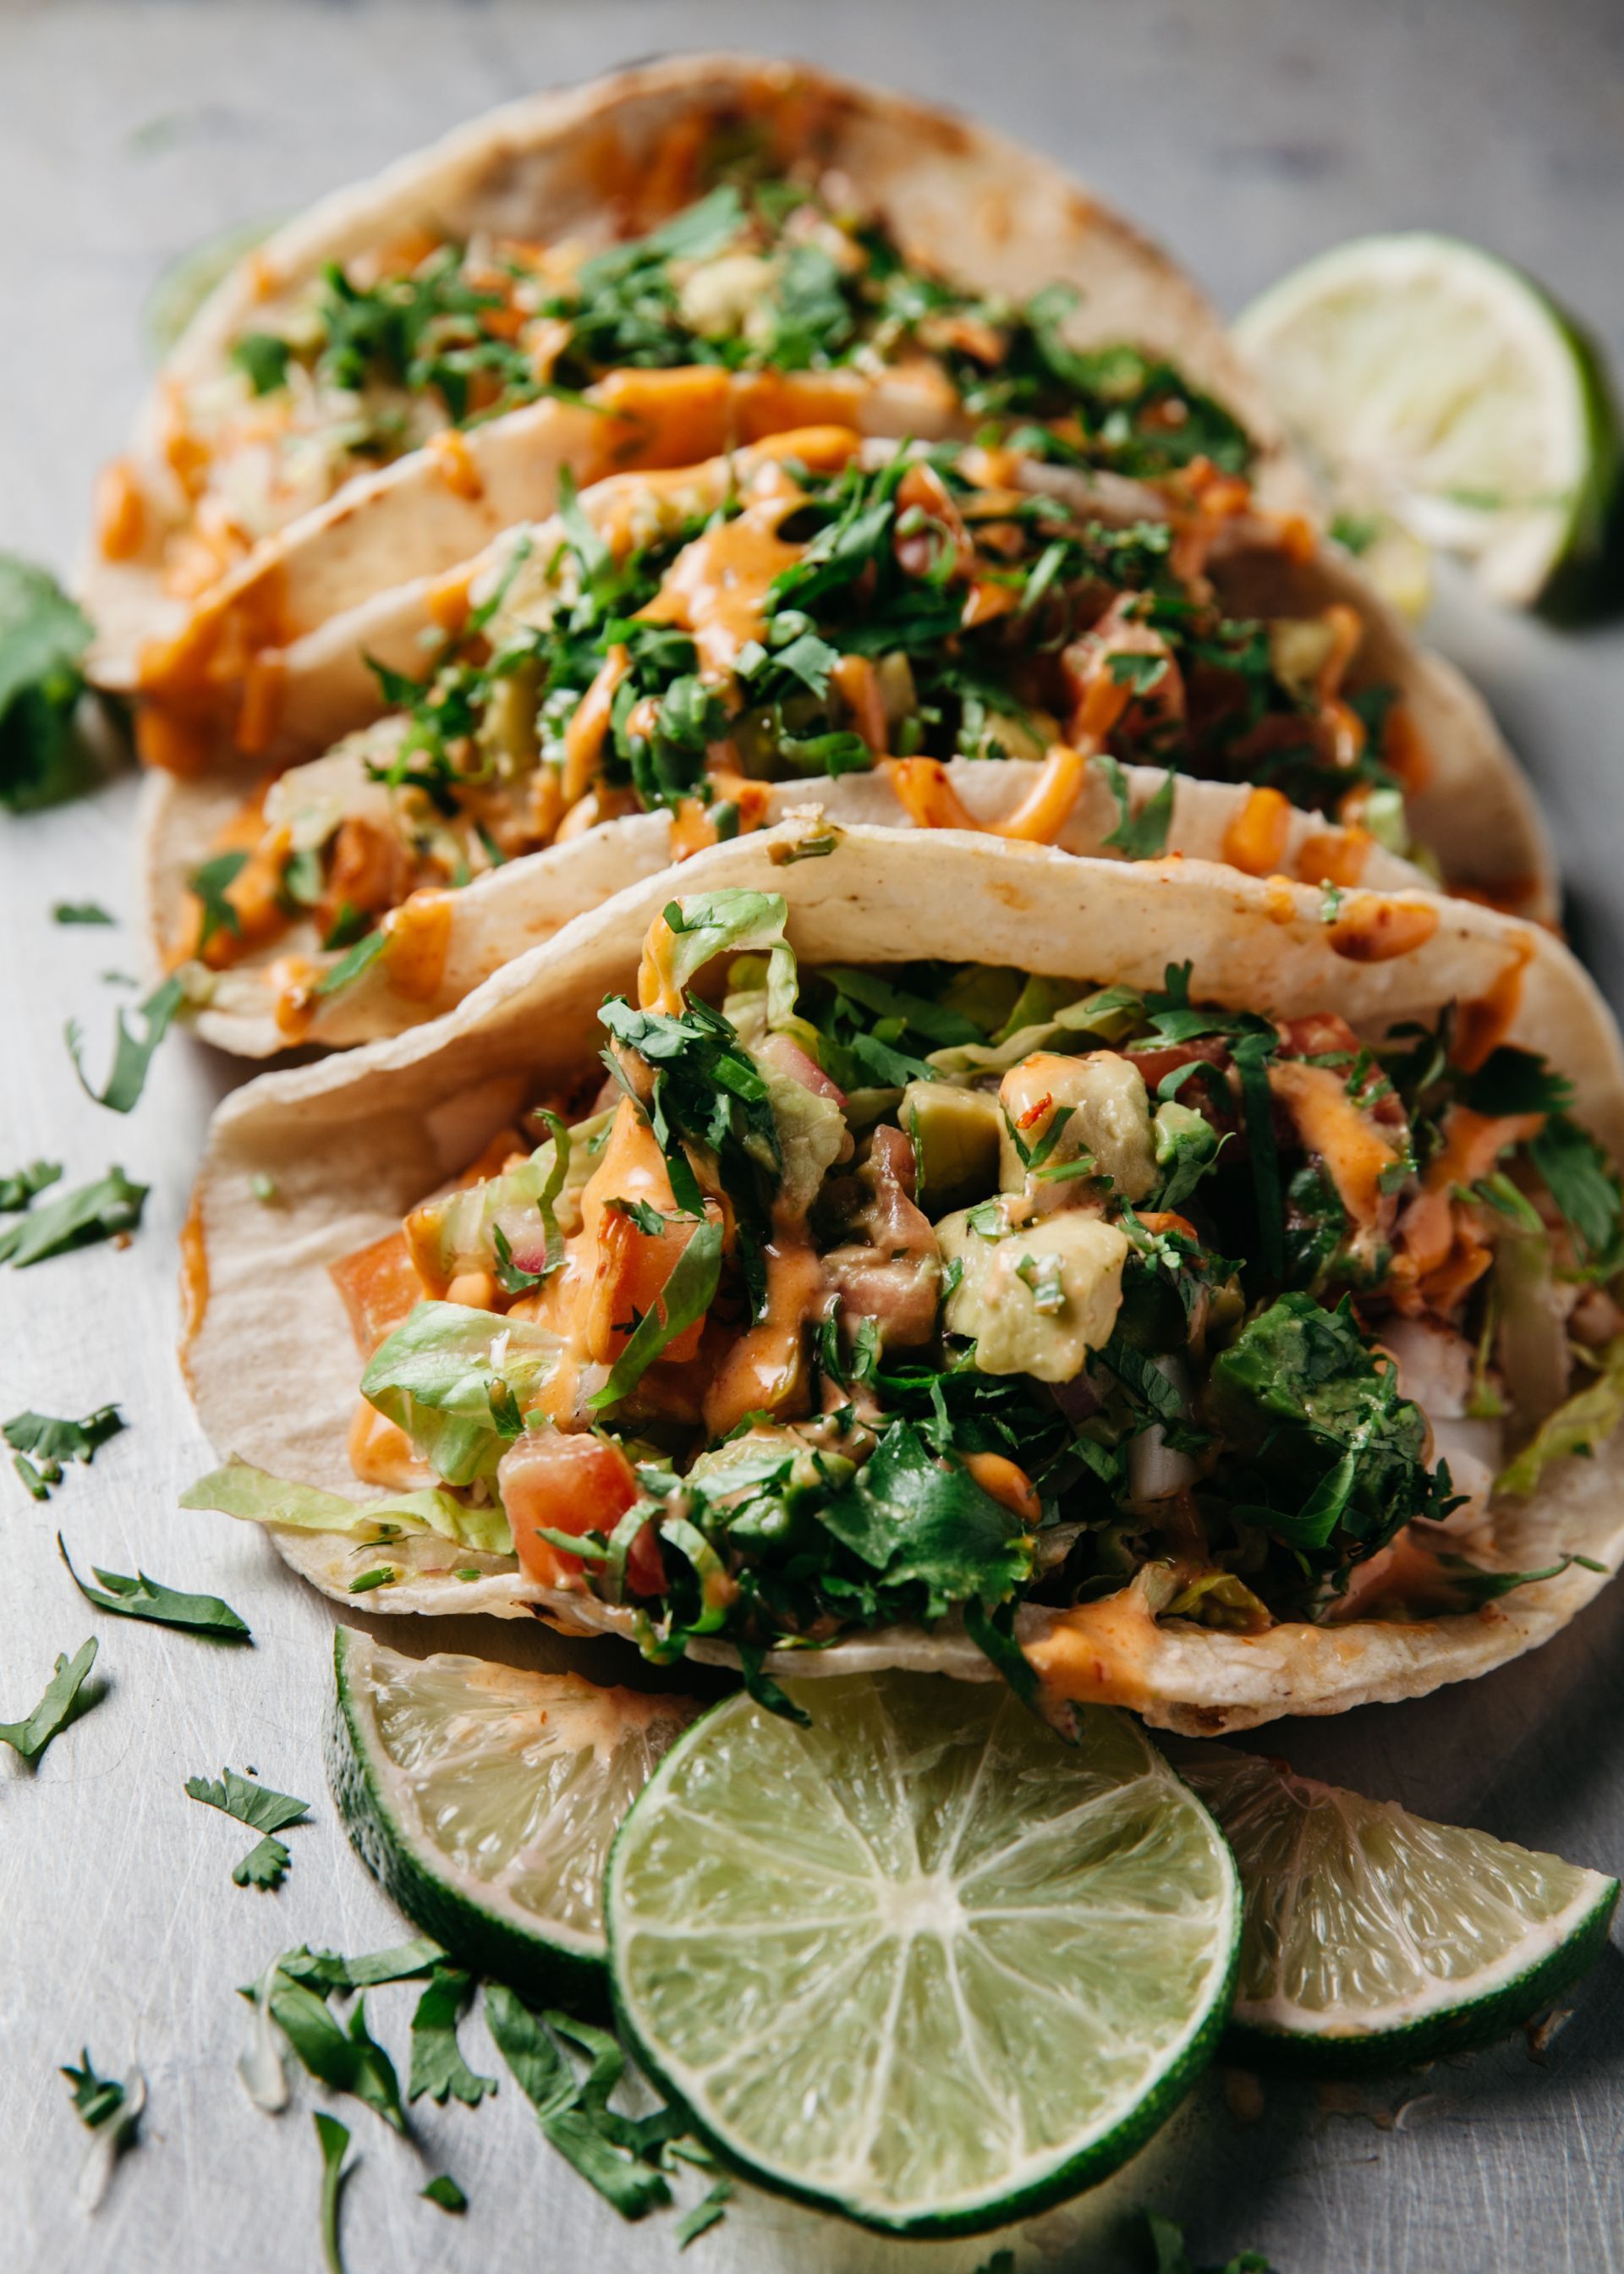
x=1432 y=382
x=1373 y=1939
x=484 y=1799
x=921 y=1962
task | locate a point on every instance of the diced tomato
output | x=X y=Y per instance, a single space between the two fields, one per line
x=573 y=1483
x=629 y=1279
x=379 y=1285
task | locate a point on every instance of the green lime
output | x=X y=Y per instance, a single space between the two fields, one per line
x=1372 y=1938
x=485 y=1800
x=921 y=1962
x=1431 y=381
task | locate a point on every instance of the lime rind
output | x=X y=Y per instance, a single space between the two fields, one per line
x=552 y=1944
x=1396 y=1908
x=833 y=1992
x=1401 y=362
x=1257 y=2042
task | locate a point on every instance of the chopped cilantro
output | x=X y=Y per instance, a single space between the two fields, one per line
x=109 y=1208
x=263 y=1811
x=142 y=1598
x=43 y=636
x=63 y=1701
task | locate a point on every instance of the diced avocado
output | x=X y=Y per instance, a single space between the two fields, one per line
x=1299 y=647
x=1110 y=1119
x=956 y=1134
x=1038 y=1299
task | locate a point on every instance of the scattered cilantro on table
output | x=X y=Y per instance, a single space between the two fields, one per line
x=63 y=1701
x=263 y=1811
x=142 y=1598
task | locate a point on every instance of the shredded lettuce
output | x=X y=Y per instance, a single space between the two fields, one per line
x=1578 y=1426
x=457 y=1380
x=254 y=1496
x=707 y=924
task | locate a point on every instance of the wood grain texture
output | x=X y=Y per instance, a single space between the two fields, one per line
x=1247 y=137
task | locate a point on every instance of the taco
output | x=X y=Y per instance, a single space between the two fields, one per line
x=1188 y=1304
x=953 y=636
x=642 y=271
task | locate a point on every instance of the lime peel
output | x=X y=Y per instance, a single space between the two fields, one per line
x=484 y=1799
x=1477 y=1934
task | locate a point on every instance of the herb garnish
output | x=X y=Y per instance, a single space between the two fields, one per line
x=132 y=1054
x=43 y=636
x=81 y=912
x=62 y=1703
x=50 y=1442
x=263 y=1811
x=107 y=1209
x=142 y=1598
x=437 y=2064
x=333 y=2140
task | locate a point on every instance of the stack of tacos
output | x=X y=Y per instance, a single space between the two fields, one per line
x=962 y=1062
x=722 y=515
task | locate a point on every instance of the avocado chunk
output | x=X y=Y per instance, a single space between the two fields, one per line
x=1109 y=1118
x=1038 y=1299
x=956 y=1134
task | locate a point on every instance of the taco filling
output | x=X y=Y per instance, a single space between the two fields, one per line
x=413 y=344
x=830 y=615
x=867 y=1297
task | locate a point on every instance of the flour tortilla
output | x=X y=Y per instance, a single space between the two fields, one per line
x=352 y=1143
x=1474 y=810
x=574 y=163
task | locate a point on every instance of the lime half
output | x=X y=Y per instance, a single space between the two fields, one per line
x=1373 y=1939
x=921 y=1962
x=485 y=1800
x=1429 y=380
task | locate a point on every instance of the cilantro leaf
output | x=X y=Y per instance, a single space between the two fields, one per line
x=705 y=2213
x=350 y=2062
x=573 y=2113
x=263 y=359
x=53 y=1442
x=265 y=1865
x=61 y=1704
x=329 y=1969
x=1301 y=1400
x=96 y=2099
x=81 y=912
x=437 y=2064
x=106 y=1209
x=349 y=968
x=208 y=885
x=261 y=1809
x=333 y=2140
x=1142 y=836
x=142 y=1598
x=1583 y=1184
x=19 y=1190
x=43 y=634
x=1166 y=2241
x=914 y=1522
x=132 y=1054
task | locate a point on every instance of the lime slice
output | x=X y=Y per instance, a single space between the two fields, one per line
x=1432 y=382
x=1373 y=1939
x=485 y=1800
x=921 y=1962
